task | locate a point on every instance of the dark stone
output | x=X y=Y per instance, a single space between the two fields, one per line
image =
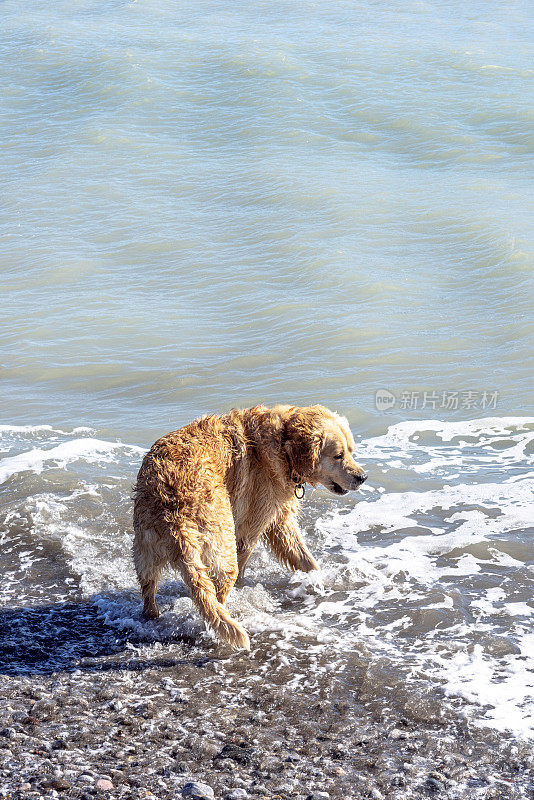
x=433 y=785
x=60 y=744
x=165 y=772
x=197 y=791
x=238 y=753
x=337 y=752
x=59 y=784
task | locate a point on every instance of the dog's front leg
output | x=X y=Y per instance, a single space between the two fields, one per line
x=244 y=551
x=286 y=543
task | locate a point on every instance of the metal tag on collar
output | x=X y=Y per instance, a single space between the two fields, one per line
x=299 y=491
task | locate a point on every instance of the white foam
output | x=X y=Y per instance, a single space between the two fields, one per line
x=398 y=510
x=518 y=609
x=503 y=687
x=124 y=610
x=89 y=450
x=400 y=434
x=404 y=548
x=404 y=444
x=28 y=429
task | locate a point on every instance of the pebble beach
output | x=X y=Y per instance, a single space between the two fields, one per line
x=148 y=727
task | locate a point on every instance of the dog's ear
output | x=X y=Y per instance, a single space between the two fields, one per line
x=303 y=442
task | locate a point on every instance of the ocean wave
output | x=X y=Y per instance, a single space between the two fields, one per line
x=89 y=450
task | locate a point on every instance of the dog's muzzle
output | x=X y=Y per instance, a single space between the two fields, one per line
x=356 y=482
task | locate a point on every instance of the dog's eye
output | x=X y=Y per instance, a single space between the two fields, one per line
x=339 y=456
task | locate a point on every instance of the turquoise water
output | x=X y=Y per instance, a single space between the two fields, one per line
x=226 y=203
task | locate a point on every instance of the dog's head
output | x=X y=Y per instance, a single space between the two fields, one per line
x=318 y=445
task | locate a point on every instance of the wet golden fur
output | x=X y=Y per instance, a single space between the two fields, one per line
x=206 y=494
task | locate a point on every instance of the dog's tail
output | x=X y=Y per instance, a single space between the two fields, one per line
x=204 y=597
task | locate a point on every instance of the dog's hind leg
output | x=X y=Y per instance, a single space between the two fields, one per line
x=205 y=596
x=225 y=580
x=150 y=556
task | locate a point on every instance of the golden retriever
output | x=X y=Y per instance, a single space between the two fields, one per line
x=206 y=493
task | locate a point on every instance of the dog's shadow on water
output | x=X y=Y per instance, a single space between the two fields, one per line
x=65 y=637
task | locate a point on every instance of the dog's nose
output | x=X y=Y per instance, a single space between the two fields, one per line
x=362 y=478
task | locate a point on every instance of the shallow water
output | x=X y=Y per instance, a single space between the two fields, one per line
x=228 y=204
x=431 y=586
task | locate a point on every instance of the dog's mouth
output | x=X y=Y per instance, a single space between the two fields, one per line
x=337 y=489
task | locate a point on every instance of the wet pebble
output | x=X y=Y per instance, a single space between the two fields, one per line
x=198 y=791
x=208 y=749
x=238 y=753
x=59 y=744
x=434 y=785
x=338 y=752
x=339 y=771
x=438 y=776
x=59 y=784
x=104 y=785
x=396 y=733
x=43 y=709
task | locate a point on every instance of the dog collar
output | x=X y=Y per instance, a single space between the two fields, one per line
x=299 y=488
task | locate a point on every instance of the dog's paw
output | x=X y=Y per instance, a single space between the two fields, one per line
x=152 y=612
x=244 y=642
x=237 y=637
x=307 y=563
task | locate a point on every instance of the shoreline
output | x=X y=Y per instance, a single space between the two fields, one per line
x=145 y=726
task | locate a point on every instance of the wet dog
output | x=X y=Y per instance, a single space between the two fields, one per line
x=206 y=494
